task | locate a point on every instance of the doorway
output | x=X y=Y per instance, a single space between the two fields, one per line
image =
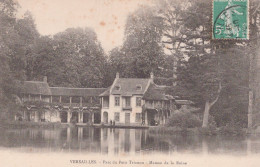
x=105 y=117
x=86 y=117
x=97 y=118
x=64 y=117
x=127 y=118
x=74 y=117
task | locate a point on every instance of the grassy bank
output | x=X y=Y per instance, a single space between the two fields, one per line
x=163 y=130
x=21 y=124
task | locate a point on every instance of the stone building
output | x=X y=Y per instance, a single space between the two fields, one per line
x=128 y=101
x=60 y=104
x=135 y=101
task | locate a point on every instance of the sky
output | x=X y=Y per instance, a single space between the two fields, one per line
x=106 y=17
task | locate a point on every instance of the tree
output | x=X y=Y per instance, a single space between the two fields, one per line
x=8 y=36
x=84 y=57
x=253 y=44
x=142 y=50
x=141 y=47
x=172 y=12
x=71 y=58
x=205 y=73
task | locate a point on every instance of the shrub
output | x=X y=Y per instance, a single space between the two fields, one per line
x=183 y=120
x=256 y=119
x=212 y=123
x=208 y=131
x=231 y=129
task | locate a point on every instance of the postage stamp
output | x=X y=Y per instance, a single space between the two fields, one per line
x=230 y=19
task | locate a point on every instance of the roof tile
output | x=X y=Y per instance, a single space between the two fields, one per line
x=129 y=86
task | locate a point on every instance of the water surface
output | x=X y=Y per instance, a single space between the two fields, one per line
x=108 y=141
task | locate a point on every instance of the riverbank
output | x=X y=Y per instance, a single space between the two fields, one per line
x=50 y=125
x=158 y=130
x=22 y=125
x=232 y=131
x=113 y=126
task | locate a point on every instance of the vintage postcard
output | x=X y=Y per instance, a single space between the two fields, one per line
x=140 y=83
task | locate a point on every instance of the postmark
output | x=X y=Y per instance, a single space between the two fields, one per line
x=230 y=19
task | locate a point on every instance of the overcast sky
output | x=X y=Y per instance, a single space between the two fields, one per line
x=106 y=17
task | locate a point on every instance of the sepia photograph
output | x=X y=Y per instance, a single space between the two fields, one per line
x=140 y=83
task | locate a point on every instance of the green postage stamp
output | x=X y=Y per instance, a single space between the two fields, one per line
x=230 y=19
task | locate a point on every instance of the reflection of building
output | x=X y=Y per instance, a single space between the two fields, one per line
x=120 y=141
x=135 y=101
x=60 y=104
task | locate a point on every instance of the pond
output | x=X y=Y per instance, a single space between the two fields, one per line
x=108 y=141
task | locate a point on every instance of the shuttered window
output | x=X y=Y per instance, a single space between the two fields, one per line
x=117 y=101
x=138 y=101
x=117 y=116
x=138 y=117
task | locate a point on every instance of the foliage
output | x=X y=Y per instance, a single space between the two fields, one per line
x=170 y=38
x=165 y=131
x=72 y=58
x=183 y=120
x=9 y=55
x=211 y=66
x=231 y=107
x=142 y=51
x=231 y=129
x=256 y=119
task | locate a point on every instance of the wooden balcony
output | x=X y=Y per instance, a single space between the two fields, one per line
x=127 y=108
x=79 y=104
x=154 y=106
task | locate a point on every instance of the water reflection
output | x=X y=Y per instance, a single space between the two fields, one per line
x=123 y=141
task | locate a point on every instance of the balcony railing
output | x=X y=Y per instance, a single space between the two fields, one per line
x=129 y=108
x=155 y=106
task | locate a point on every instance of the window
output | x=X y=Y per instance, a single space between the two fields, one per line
x=86 y=99
x=138 y=87
x=55 y=99
x=117 y=116
x=138 y=117
x=75 y=99
x=46 y=98
x=32 y=98
x=106 y=101
x=65 y=99
x=117 y=101
x=95 y=99
x=138 y=101
x=117 y=87
x=128 y=101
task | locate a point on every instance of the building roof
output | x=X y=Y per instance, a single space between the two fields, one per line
x=64 y=91
x=183 y=102
x=130 y=86
x=106 y=92
x=35 y=87
x=155 y=92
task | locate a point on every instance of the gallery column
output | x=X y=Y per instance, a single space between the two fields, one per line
x=80 y=117
x=68 y=116
x=146 y=119
x=92 y=117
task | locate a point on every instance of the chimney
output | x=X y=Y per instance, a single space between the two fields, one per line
x=117 y=75
x=45 y=79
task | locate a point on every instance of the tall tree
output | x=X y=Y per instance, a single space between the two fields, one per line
x=8 y=76
x=172 y=12
x=72 y=58
x=206 y=69
x=142 y=48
